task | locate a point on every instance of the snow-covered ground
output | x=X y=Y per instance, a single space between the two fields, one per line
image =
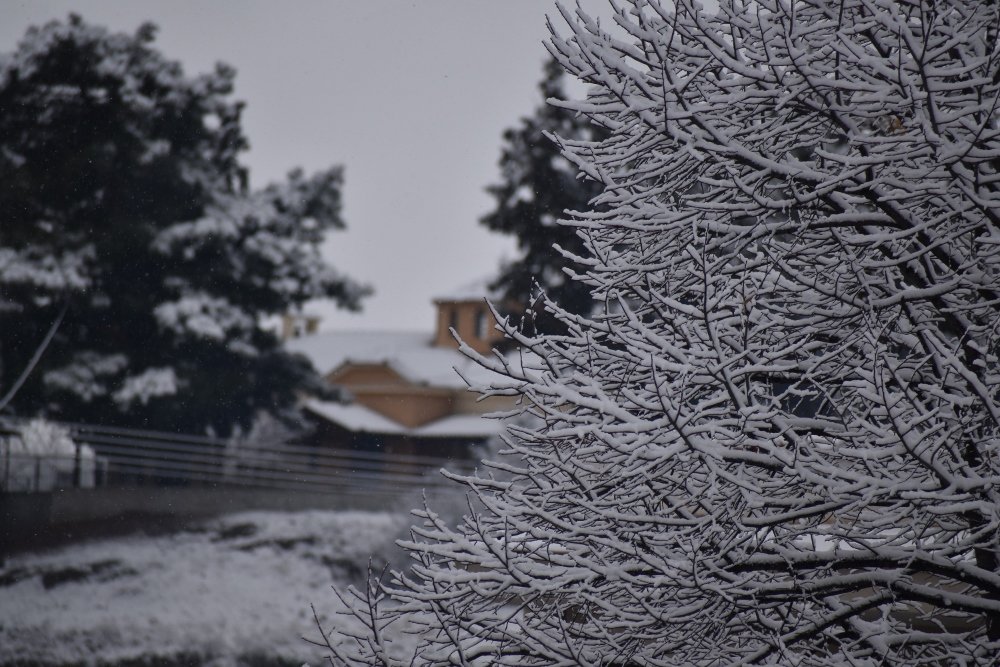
x=231 y=591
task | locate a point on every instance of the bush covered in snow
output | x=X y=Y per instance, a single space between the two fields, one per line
x=43 y=457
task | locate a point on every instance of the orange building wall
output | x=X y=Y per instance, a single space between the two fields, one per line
x=466 y=404
x=366 y=375
x=409 y=408
x=464 y=313
x=381 y=389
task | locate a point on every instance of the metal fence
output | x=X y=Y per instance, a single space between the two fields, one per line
x=112 y=456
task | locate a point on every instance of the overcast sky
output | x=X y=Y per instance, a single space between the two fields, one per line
x=411 y=97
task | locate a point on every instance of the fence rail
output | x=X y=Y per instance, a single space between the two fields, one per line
x=112 y=456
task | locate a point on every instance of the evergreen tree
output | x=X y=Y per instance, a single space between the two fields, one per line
x=124 y=217
x=539 y=187
x=778 y=443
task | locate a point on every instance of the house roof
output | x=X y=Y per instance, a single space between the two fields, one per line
x=354 y=417
x=457 y=426
x=359 y=419
x=410 y=354
x=476 y=290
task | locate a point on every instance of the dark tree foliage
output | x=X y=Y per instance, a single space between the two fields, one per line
x=538 y=187
x=124 y=210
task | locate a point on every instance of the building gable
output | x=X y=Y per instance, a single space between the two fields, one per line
x=354 y=375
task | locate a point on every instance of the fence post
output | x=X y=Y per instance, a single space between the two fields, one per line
x=77 y=467
x=38 y=472
x=6 y=473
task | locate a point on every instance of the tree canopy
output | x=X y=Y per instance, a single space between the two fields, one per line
x=776 y=441
x=538 y=186
x=126 y=218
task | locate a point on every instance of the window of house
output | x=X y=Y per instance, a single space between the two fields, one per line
x=480 y=331
x=453 y=319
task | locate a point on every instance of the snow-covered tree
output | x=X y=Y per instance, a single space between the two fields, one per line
x=778 y=444
x=538 y=186
x=124 y=212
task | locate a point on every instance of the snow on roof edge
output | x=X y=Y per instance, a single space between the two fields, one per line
x=354 y=417
x=476 y=290
x=358 y=418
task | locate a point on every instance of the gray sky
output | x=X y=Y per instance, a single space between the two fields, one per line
x=411 y=97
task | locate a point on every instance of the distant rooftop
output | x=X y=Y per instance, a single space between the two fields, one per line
x=359 y=419
x=476 y=290
x=408 y=353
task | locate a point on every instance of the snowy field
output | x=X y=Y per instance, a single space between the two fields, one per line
x=232 y=591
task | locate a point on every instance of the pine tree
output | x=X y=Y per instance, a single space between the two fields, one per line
x=540 y=186
x=778 y=441
x=125 y=217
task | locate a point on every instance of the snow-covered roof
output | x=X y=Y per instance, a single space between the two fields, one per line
x=355 y=417
x=408 y=353
x=359 y=419
x=457 y=426
x=329 y=350
x=476 y=290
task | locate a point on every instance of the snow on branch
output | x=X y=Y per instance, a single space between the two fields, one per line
x=777 y=441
